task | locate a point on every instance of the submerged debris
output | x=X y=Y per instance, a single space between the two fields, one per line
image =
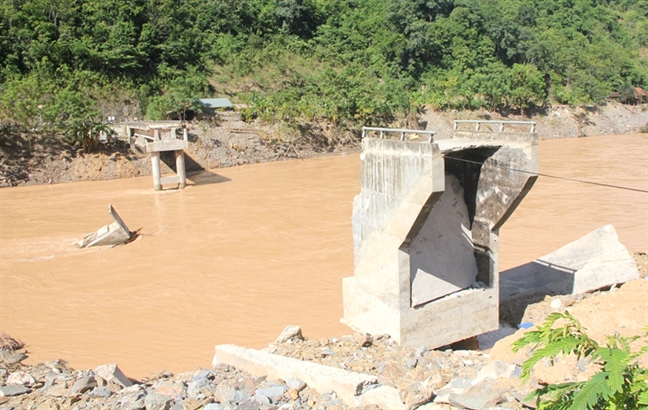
x=113 y=234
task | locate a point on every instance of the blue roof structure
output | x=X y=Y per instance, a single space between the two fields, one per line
x=216 y=102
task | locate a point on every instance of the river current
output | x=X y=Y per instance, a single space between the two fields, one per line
x=245 y=251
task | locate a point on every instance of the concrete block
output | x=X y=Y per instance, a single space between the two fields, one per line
x=594 y=261
x=112 y=373
x=347 y=385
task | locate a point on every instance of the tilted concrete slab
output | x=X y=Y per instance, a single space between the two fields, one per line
x=112 y=234
x=346 y=384
x=426 y=231
x=592 y=262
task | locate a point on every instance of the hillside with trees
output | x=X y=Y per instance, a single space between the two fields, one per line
x=67 y=65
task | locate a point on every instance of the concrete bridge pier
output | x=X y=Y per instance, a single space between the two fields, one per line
x=156 y=140
x=426 y=232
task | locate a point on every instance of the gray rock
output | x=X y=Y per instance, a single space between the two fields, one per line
x=291 y=332
x=21 y=377
x=483 y=395
x=498 y=369
x=100 y=392
x=271 y=391
x=10 y=357
x=327 y=352
x=200 y=388
x=84 y=384
x=212 y=406
x=265 y=401
x=249 y=404
x=13 y=390
x=169 y=387
x=154 y=401
x=239 y=396
x=203 y=374
x=412 y=362
x=422 y=351
x=455 y=387
x=296 y=384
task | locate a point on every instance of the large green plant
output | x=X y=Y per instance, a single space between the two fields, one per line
x=620 y=383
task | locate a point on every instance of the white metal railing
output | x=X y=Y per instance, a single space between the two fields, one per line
x=478 y=124
x=402 y=132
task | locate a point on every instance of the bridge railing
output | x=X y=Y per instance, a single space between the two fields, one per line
x=401 y=131
x=501 y=124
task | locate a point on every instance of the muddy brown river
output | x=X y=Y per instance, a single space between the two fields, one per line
x=245 y=251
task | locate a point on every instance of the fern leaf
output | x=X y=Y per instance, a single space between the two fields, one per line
x=643 y=398
x=615 y=366
x=557 y=396
x=592 y=391
x=564 y=346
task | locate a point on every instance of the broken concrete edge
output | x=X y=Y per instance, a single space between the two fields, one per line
x=353 y=388
x=594 y=261
x=113 y=234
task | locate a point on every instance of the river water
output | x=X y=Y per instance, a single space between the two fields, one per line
x=245 y=251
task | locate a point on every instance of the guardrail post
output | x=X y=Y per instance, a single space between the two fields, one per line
x=502 y=126
x=533 y=127
x=477 y=126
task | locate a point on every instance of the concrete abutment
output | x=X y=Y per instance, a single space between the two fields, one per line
x=426 y=232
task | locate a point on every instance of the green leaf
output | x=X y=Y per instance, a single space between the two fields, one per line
x=615 y=365
x=563 y=346
x=595 y=389
x=643 y=398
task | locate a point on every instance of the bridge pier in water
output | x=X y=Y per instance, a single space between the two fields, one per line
x=426 y=230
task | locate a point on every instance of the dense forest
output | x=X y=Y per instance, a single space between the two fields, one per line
x=65 y=64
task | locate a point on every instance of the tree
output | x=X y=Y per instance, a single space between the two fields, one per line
x=527 y=87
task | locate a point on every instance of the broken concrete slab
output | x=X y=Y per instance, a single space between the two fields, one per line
x=592 y=262
x=347 y=385
x=116 y=233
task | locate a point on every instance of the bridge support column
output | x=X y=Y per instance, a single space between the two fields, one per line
x=180 y=169
x=155 y=170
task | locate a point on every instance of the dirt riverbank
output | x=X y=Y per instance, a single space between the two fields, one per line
x=43 y=160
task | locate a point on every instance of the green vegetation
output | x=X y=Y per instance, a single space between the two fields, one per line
x=619 y=384
x=340 y=61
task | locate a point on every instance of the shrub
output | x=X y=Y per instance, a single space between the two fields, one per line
x=620 y=383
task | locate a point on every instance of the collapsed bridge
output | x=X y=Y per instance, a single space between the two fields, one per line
x=426 y=229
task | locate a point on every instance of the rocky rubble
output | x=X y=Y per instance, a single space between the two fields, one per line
x=452 y=379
